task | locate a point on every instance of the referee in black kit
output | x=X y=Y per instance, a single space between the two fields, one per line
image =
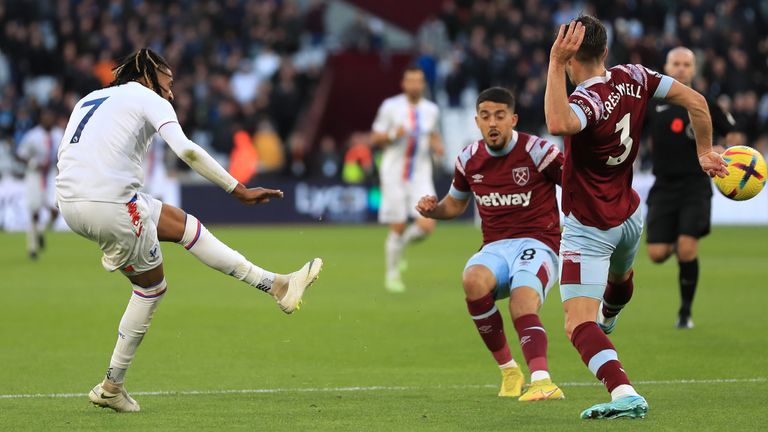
x=680 y=201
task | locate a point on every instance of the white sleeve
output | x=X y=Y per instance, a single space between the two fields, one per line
x=158 y=111
x=382 y=122
x=194 y=156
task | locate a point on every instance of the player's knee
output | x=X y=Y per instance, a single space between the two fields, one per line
x=477 y=282
x=193 y=230
x=687 y=248
x=174 y=223
x=659 y=253
x=524 y=300
x=427 y=226
x=398 y=228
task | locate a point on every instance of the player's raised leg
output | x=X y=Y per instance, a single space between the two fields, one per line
x=185 y=229
x=618 y=292
x=479 y=284
x=620 y=286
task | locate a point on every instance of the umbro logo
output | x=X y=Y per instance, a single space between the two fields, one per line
x=478 y=178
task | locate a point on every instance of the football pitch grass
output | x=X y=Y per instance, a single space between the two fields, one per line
x=221 y=355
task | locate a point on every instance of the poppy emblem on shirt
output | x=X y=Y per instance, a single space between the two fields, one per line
x=521 y=176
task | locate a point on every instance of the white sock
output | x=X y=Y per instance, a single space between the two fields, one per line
x=394 y=251
x=539 y=375
x=509 y=364
x=211 y=251
x=623 y=390
x=413 y=234
x=133 y=327
x=32 y=243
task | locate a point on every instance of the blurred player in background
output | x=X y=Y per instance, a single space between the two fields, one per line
x=602 y=122
x=98 y=191
x=680 y=201
x=37 y=149
x=511 y=176
x=406 y=127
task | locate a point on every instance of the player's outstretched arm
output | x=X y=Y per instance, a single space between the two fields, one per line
x=561 y=120
x=200 y=161
x=701 y=121
x=448 y=208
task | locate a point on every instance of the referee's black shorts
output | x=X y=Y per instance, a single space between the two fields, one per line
x=679 y=206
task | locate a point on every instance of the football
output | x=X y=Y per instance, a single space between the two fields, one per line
x=747 y=173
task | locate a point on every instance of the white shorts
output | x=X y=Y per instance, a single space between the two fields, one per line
x=126 y=233
x=516 y=263
x=40 y=190
x=399 y=199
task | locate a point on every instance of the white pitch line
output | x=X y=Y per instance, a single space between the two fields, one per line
x=376 y=388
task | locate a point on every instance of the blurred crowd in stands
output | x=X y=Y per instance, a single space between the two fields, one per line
x=245 y=70
x=506 y=42
x=241 y=66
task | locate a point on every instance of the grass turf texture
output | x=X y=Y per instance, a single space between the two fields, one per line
x=58 y=320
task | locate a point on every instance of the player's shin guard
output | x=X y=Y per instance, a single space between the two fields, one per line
x=393 y=253
x=533 y=341
x=487 y=318
x=211 y=251
x=616 y=296
x=600 y=356
x=688 y=277
x=133 y=327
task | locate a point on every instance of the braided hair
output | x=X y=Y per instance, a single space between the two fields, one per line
x=144 y=63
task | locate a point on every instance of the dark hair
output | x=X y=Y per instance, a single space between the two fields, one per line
x=498 y=95
x=595 y=39
x=144 y=63
x=413 y=68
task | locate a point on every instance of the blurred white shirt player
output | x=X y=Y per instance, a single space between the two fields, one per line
x=406 y=127
x=37 y=149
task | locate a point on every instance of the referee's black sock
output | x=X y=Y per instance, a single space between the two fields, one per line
x=689 y=277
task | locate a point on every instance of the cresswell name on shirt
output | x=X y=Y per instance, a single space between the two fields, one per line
x=495 y=199
x=623 y=89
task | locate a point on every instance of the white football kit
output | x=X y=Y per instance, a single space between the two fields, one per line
x=406 y=165
x=100 y=172
x=39 y=147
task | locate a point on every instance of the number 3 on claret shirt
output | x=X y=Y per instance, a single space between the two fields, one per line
x=625 y=140
x=95 y=103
